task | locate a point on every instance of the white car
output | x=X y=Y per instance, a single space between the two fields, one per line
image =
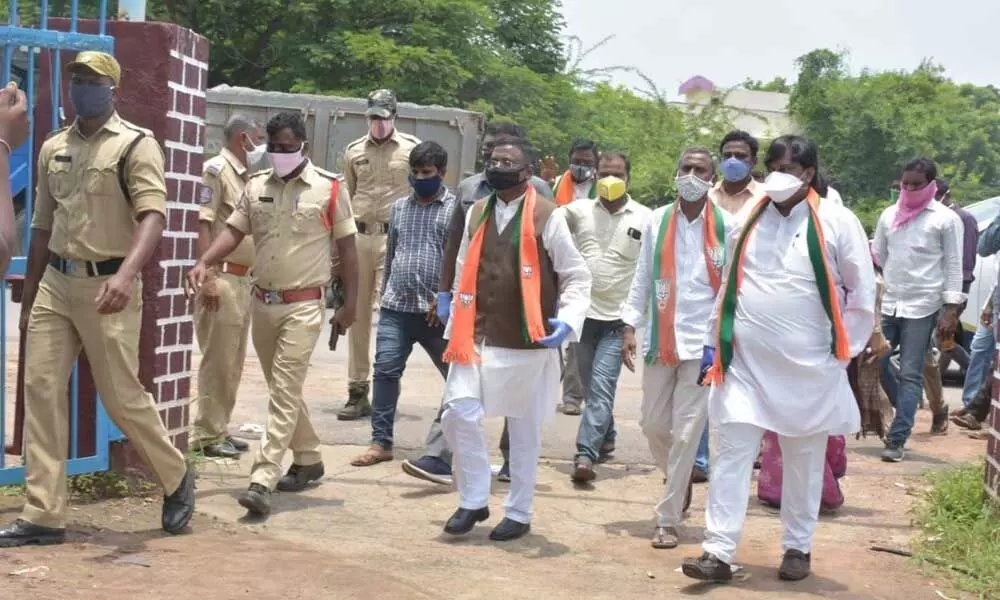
x=986 y=269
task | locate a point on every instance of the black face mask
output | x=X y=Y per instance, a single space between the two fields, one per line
x=503 y=179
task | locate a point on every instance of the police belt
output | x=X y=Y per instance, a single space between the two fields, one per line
x=371 y=228
x=287 y=296
x=100 y=268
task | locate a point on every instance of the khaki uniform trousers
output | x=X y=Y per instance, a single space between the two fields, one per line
x=284 y=336
x=63 y=318
x=371 y=261
x=222 y=337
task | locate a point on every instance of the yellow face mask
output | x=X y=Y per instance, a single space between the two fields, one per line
x=611 y=188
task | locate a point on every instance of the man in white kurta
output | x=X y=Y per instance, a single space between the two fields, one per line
x=674 y=406
x=520 y=384
x=784 y=377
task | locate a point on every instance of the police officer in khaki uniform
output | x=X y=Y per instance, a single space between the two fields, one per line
x=222 y=330
x=100 y=209
x=377 y=167
x=297 y=214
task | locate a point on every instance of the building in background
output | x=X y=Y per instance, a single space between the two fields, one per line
x=762 y=114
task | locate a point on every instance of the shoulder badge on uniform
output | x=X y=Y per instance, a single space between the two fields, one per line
x=136 y=128
x=327 y=174
x=213 y=167
x=205 y=195
x=408 y=137
x=56 y=132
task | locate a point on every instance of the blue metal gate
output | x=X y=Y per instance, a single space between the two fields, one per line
x=21 y=45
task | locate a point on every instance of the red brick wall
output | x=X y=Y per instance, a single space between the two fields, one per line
x=993 y=423
x=164 y=74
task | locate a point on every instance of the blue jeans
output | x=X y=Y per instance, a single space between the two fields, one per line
x=599 y=356
x=701 y=459
x=397 y=332
x=905 y=388
x=982 y=347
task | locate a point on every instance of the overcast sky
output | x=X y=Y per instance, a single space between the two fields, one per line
x=672 y=40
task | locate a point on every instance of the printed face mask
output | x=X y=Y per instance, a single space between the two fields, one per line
x=692 y=188
x=581 y=173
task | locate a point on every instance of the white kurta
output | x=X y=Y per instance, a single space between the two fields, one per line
x=784 y=377
x=506 y=379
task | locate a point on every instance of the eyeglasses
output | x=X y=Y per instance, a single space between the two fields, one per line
x=503 y=163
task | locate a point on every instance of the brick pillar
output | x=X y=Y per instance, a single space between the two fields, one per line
x=993 y=425
x=164 y=75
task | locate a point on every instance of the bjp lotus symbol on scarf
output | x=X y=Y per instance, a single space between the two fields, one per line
x=527 y=271
x=662 y=293
x=717 y=256
x=466 y=299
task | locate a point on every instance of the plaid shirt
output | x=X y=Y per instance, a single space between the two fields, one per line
x=414 y=252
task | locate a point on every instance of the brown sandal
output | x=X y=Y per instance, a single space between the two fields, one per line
x=372 y=456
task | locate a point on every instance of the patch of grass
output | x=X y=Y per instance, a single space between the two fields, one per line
x=12 y=490
x=961 y=530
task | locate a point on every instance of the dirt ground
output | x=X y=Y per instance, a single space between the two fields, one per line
x=375 y=532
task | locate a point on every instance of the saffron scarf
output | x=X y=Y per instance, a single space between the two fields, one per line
x=663 y=340
x=564 y=192
x=462 y=346
x=824 y=280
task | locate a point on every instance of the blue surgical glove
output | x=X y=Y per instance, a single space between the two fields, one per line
x=560 y=331
x=443 y=307
x=707 y=358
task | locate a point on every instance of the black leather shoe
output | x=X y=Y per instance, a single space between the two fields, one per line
x=257 y=500
x=240 y=445
x=465 y=519
x=795 y=566
x=222 y=449
x=23 y=533
x=509 y=530
x=299 y=477
x=707 y=568
x=178 y=507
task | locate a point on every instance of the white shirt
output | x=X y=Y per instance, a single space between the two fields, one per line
x=610 y=245
x=834 y=196
x=508 y=379
x=784 y=376
x=582 y=189
x=921 y=261
x=695 y=295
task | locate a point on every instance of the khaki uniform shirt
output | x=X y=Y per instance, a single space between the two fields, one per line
x=79 y=197
x=378 y=175
x=223 y=179
x=288 y=222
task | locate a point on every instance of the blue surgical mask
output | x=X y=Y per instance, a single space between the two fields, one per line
x=734 y=169
x=426 y=188
x=91 y=100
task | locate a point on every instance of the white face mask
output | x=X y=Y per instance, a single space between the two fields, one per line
x=780 y=187
x=284 y=163
x=255 y=155
x=692 y=188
